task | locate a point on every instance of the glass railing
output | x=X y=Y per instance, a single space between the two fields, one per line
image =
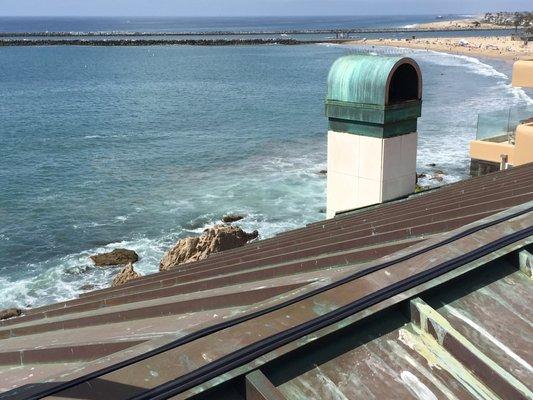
x=500 y=125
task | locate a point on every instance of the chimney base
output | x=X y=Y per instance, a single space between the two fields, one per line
x=364 y=170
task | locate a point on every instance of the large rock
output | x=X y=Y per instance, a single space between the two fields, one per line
x=10 y=313
x=116 y=257
x=213 y=240
x=125 y=275
x=232 y=218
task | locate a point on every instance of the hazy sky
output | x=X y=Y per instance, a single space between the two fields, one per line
x=253 y=7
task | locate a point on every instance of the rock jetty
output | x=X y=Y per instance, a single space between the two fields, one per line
x=213 y=240
x=116 y=257
x=145 y=42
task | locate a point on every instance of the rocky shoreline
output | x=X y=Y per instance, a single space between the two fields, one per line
x=215 y=239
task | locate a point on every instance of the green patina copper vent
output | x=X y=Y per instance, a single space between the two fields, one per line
x=374 y=95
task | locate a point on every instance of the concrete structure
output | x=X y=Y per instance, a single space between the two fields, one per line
x=505 y=149
x=372 y=107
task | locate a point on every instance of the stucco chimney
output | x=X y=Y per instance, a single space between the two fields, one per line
x=373 y=105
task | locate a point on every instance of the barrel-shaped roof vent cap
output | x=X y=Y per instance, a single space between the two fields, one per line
x=379 y=80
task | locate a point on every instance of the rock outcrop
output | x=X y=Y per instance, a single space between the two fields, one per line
x=87 y=287
x=213 y=240
x=148 y=42
x=232 y=218
x=125 y=275
x=10 y=313
x=116 y=257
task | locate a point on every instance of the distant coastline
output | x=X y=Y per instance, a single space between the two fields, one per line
x=224 y=37
x=503 y=47
x=217 y=38
x=448 y=26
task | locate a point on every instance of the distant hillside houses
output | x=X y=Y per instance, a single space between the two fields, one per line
x=517 y=19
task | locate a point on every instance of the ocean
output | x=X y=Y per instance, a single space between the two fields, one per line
x=136 y=147
x=203 y=24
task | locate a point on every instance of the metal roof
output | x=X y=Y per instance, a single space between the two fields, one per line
x=348 y=307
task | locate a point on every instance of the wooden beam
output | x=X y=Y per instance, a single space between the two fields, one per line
x=259 y=387
x=525 y=260
x=492 y=375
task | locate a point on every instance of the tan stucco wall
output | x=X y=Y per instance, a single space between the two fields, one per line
x=490 y=151
x=519 y=153
x=524 y=144
x=523 y=73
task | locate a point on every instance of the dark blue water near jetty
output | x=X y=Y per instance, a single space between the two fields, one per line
x=135 y=147
x=202 y=24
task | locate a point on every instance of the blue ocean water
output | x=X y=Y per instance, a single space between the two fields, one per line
x=203 y=24
x=106 y=147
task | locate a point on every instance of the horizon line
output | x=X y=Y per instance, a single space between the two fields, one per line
x=466 y=15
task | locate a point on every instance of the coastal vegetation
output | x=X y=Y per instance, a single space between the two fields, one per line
x=516 y=19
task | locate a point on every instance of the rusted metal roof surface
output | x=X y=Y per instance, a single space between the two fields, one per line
x=417 y=298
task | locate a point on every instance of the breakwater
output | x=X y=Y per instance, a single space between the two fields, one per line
x=251 y=33
x=150 y=42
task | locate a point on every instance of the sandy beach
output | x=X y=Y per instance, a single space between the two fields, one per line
x=494 y=47
x=461 y=24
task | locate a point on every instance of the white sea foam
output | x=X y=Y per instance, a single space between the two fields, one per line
x=440 y=58
x=410 y=26
x=86 y=225
x=479 y=67
x=115 y=136
x=299 y=202
x=457 y=60
x=519 y=95
x=61 y=279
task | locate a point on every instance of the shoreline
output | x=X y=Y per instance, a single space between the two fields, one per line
x=490 y=47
